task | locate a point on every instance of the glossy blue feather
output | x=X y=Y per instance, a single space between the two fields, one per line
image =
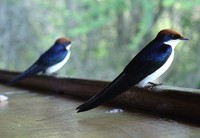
x=148 y=60
x=54 y=55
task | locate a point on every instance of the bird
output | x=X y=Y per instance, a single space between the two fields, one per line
x=149 y=64
x=49 y=62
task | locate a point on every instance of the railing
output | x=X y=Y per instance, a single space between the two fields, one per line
x=172 y=102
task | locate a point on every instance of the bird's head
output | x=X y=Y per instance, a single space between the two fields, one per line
x=63 y=41
x=170 y=37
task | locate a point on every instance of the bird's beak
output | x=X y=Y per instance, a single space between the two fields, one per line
x=183 y=38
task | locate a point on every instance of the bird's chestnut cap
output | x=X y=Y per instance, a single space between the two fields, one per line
x=172 y=33
x=63 y=40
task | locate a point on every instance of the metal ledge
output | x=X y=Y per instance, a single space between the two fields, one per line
x=170 y=101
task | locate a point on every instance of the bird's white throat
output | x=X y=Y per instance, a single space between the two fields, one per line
x=172 y=43
x=68 y=47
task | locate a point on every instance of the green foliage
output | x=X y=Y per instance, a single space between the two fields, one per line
x=144 y=24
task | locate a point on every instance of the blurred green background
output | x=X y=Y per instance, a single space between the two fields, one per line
x=105 y=34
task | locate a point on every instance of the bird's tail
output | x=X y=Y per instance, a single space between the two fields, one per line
x=115 y=88
x=34 y=69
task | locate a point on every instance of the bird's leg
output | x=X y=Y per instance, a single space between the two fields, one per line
x=155 y=84
x=152 y=85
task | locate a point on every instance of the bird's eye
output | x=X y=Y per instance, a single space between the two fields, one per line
x=172 y=36
x=175 y=36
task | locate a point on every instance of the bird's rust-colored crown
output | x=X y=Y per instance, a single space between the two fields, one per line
x=62 y=40
x=169 y=32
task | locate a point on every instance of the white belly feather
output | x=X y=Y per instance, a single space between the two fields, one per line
x=163 y=68
x=57 y=66
x=158 y=72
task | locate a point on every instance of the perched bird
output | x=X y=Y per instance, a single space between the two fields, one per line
x=150 y=63
x=50 y=61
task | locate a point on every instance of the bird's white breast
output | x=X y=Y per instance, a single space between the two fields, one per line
x=163 y=68
x=158 y=72
x=57 y=66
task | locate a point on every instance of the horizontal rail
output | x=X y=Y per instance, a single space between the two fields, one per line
x=171 y=101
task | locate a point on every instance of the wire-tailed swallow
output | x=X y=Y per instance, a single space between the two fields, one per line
x=150 y=63
x=50 y=61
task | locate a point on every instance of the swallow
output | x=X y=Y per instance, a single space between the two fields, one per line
x=49 y=62
x=149 y=64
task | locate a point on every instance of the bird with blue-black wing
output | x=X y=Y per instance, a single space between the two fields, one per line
x=49 y=62
x=149 y=64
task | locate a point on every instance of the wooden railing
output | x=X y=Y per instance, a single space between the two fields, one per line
x=169 y=101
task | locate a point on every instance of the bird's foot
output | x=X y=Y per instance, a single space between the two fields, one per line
x=153 y=85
